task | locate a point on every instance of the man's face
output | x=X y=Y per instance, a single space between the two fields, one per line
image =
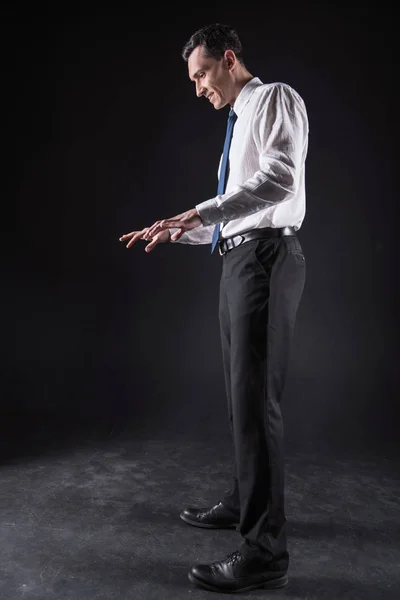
x=212 y=78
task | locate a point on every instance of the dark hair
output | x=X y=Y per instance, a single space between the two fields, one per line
x=215 y=39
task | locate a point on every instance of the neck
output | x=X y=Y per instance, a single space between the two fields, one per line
x=243 y=76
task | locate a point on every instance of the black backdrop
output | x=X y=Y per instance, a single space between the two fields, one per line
x=111 y=137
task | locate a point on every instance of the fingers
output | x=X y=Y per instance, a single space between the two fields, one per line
x=148 y=234
x=126 y=236
x=133 y=237
x=162 y=224
x=154 y=229
x=153 y=243
x=170 y=223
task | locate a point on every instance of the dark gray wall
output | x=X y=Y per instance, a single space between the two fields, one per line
x=110 y=137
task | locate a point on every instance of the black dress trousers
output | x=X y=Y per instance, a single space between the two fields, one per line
x=261 y=286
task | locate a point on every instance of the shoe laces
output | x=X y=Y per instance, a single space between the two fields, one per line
x=234 y=558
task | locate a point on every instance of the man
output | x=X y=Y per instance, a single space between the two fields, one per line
x=259 y=207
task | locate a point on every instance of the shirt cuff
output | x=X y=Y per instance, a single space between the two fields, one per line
x=172 y=230
x=209 y=212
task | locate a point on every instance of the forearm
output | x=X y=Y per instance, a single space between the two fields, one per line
x=199 y=235
x=259 y=192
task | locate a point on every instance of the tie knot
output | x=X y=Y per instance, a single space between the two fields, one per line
x=232 y=114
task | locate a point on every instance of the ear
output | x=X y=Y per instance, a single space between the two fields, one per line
x=230 y=59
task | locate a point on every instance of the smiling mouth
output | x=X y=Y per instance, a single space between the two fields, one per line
x=210 y=96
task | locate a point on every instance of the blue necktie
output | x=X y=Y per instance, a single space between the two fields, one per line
x=223 y=175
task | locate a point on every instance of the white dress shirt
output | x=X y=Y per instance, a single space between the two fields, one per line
x=266 y=183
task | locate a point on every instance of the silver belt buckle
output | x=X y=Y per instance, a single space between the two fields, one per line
x=239 y=244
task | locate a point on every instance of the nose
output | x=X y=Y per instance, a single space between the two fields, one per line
x=199 y=90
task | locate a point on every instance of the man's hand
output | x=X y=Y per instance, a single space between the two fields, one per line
x=184 y=222
x=160 y=238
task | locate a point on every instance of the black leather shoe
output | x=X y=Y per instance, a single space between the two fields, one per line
x=217 y=517
x=238 y=574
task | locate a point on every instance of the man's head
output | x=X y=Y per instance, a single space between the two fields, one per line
x=215 y=63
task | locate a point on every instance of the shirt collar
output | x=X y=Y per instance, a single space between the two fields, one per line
x=245 y=95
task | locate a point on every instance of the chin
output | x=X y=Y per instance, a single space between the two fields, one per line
x=222 y=104
x=219 y=104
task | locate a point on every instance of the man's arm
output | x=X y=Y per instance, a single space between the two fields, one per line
x=281 y=135
x=200 y=235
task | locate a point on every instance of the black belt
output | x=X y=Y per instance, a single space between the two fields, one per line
x=227 y=244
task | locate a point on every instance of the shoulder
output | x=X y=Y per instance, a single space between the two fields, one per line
x=277 y=93
x=276 y=89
